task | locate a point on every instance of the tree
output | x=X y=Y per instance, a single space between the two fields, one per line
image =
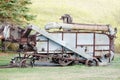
x=15 y=11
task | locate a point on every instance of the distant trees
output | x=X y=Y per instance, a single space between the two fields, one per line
x=15 y=11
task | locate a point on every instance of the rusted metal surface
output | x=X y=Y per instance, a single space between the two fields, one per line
x=89 y=44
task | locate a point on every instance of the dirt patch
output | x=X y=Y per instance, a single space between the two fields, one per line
x=3 y=54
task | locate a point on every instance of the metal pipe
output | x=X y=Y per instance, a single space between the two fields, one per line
x=94 y=27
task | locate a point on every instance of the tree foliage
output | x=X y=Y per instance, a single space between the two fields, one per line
x=15 y=11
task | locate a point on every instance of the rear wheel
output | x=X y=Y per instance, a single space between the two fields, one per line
x=93 y=62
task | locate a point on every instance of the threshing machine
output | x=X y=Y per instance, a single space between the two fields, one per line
x=66 y=43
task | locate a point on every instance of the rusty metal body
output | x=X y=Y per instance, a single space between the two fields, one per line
x=70 y=46
x=17 y=35
x=89 y=44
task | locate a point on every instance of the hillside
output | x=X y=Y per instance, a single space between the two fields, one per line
x=82 y=11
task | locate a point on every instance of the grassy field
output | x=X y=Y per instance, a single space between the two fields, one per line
x=75 y=72
x=82 y=11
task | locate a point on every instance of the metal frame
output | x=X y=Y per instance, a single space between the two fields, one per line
x=94 y=42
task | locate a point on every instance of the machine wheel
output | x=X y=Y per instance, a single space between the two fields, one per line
x=16 y=61
x=55 y=58
x=23 y=63
x=64 y=62
x=27 y=62
x=93 y=62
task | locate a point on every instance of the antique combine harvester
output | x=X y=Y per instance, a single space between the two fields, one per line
x=65 y=43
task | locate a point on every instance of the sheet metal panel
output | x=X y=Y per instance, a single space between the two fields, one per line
x=54 y=47
x=57 y=35
x=41 y=47
x=101 y=39
x=85 y=38
x=70 y=38
x=102 y=48
x=101 y=53
x=103 y=43
x=40 y=38
x=15 y=34
x=86 y=49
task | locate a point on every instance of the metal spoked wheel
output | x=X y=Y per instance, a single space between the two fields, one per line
x=23 y=63
x=64 y=61
x=93 y=62
x=16 y=61
x=27 y=62
x=55 y=58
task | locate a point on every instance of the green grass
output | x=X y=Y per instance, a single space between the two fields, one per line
x=5 y=58
x=75 y=72
x=82 y=11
